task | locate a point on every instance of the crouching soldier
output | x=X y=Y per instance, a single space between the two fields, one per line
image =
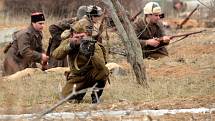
x=86 y=61
x=149 y=30
x=58 y=28
x=26 y=48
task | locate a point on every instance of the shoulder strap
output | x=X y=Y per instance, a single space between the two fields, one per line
x=103 y=51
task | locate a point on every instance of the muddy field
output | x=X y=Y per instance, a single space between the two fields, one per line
x=183 y=80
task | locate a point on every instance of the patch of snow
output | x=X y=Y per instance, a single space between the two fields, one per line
x=73 y=115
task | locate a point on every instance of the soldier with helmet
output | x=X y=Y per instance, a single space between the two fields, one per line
x=86 y=62
x=58 y=28
x=149 y=29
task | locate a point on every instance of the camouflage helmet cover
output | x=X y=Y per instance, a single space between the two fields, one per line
x=83 y=25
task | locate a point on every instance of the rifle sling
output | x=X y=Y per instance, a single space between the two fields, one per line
x=76 y=64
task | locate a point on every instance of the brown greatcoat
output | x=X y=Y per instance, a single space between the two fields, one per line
x=91 y=71
x=147 y=31
x=25 y=51
x=56 y=30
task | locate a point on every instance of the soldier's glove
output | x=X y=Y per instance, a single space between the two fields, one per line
x=87 y=46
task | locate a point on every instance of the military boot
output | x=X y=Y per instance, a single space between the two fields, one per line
x=96 y=94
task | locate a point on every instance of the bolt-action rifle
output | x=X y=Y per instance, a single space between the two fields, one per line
x=135 y=16
x=139 y=12
x=187 y=18
x=124 y=53
x=181 y=35
x=100 y=29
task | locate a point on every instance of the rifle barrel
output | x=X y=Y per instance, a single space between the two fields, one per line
x=186 y=34
x=137 y=14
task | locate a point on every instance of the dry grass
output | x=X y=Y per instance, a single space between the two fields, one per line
x=188 y=72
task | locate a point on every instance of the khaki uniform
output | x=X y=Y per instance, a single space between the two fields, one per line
x=25 y=51
x=66 y=33
x=92 y=69
x=147 y=31
x=56 y=30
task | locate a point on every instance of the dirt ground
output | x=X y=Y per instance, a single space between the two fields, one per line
x=190 y=61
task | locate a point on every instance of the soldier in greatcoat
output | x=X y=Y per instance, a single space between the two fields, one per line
x=26 y=50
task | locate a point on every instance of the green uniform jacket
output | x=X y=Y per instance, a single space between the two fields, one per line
x=90 y=70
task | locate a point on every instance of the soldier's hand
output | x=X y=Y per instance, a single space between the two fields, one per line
x=44 y=58
x=152 y=42
x=75 y=41
x=166 y=39
x=76 y=38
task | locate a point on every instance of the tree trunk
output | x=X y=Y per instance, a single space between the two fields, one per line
x=129 y=38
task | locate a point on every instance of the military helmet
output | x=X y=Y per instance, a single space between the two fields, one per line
x=82 y=25
x=90 y=10
x=152 y=8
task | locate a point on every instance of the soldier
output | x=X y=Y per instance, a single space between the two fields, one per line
x=180 y=8
x=90 y=13
x=57 y=29
x=26 y=49
x=87 y=62
x=149 y=29
x=55 y=40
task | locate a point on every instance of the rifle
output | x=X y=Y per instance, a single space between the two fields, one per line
x=87 y=46
x=181 y=35
x=124 y=53
x=139 y=12
x=187 y=18
x=135 y=15
x=100 y=30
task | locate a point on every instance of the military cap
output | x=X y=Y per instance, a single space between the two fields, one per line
x=37 y=16
x=152 y=8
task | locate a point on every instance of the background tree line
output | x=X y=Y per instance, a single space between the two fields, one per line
x=58 y=8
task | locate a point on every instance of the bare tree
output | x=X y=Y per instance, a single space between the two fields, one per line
x=127 y=33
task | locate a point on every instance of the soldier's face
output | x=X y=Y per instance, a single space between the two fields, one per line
x=154 y=18
x=38 y=25
x=79 y=35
